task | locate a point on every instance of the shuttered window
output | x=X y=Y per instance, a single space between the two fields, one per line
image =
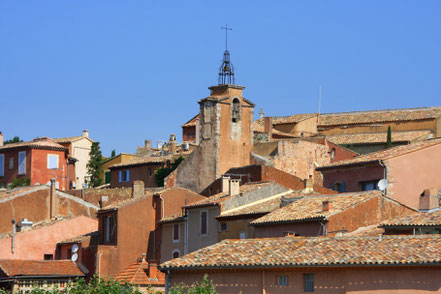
x=21 y=162
x=2 y=165
x=203 y=222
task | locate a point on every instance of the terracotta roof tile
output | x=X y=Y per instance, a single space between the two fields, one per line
x=81 y=239
x=191 y=122
x=418 y=219
x=296 y=118
x=311 y=207
x=69 y=139
x=38 y=143
x=320 y=251
x=143 y=160
x=369 y=138
x=136 y=274
x=40 y=268
x=258 y=127
x=385 y=154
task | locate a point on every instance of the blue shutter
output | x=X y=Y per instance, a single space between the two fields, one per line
x=128 y=176
x=2 y=165
x=342 y=187
x=120 y=176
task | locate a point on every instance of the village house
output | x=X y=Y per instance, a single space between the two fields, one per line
x=79 y=148
x=120 y=158
x=386 y=264
x=40 y=203
x=37 y=162
x=27 y=242
x=21 y=276
x=418 y=163
x=328 y=215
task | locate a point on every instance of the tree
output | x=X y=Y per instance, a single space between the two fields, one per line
x=389 y=138
x=162 y=172
x=20 y=182
x=113 y=153
x=16 y=139
x=94 y=166
x=205 y=287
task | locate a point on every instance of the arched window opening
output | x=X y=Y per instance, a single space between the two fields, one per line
x=235 y=117
x=175 y=254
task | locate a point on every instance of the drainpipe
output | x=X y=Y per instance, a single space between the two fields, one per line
x=67 y=175
x=99 y=263
x=167 y=282
x=380 y=162
x=263 y=282
x=13 y=237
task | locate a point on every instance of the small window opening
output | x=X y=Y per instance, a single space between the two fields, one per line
x=236 y=110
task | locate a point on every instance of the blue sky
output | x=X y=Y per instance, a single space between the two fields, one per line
x=131 y=70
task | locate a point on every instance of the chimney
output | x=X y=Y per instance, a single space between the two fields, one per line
x=86 y=133
x=53 y=199
x=137 y=189
x=1 y=139
x=429 y=200
x=147 y=144
x=326 y=205
x=268 y=127
x=234 y=187
x=309 y=186
x=172 y=144
x=226 y=184
x=153 y=270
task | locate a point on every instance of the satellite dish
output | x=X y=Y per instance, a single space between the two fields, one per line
x=75 y=248
x=74 y=257
x=382 y=184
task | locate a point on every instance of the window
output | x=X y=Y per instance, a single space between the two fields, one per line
x=21 y=162
x=175 y=232
x=340 y=187
x=109 y=229
x=48 y=257
x=204 y=225
x=309 y=282
x=333 y=153
x=223 y=227
x=11 y=163
x=235 y=115
x=124 y=176
x=107 y=177
x=2 y=165
x=282 y=280
x=243 y=235
x=207 y=111
x=175 y=253
x=369 y=185
x=52 y=161
x=150 y=172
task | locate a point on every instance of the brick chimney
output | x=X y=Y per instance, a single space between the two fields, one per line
x=1 y=139
x=268 y=127
x=137 y=189
x=53 y=199
x=309 y=186
x=172 y=144
x=153 y=270
x=429 y=200
x=147 y=144
x=326 y=205
x=234 y=187
x=86 y=133
x=226 y=184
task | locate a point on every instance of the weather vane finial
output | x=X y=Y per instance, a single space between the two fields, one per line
x=226 y=71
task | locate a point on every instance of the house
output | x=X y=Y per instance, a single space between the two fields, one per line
x=197 y=225
x=143 y=275
x=79 y=148
x=38 y=241
x=128 y=228
x=37 y=162
x=40 y=203
x=20 y=276
x=418 y=163
x=328 y=215
x=120 y=158
x=390 y=264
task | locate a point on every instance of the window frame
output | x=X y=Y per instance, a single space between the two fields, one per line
x=363 y=185
x=174 y=231
x=308 y=283
x=176 y=251
x=21 y=170
x=282 y=280
x=206 y=222
x=49 y=161
x=220 y=226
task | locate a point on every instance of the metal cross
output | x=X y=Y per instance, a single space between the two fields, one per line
x=261 y=113
x=226 y=28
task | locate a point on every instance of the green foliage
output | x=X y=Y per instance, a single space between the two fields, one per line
x=205 y=287
x=16 y=139
x=113 y=154
x=94 y=166
x=389 y=137
x=20 y=182
x=162 y=172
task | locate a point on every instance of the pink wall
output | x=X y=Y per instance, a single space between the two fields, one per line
x=410 y=174
x=31 y=245
x=392 y=280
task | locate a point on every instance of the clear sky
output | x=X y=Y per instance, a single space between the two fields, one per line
x=131 y=70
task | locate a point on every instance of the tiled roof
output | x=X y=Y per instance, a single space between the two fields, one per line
x=136 y=274
x=127 y=201
x=258 y=127
x=38 y=143
x=60 y=268
x=369 y=138
x=191 y=122
x=368 y=231
x=311 y=207
x=143 y=160
x=296 y=118
x=69 y=139
x=223 y=196
x=418 y=219
x=320 y=251
x=81 y=239
x=385 y=154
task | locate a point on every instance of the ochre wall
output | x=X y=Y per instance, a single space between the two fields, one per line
x=137 y=173
x=363 y=280
x=167 y=243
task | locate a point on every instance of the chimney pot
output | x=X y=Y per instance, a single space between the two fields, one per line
x=234 y=187
x=326 y=205
x=226 y=184
x=137 y=189
x=147 y=144
x=86 y=133
x=172 y=144
x=1 y=140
